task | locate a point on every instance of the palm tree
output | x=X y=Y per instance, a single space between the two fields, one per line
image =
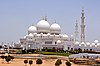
x=25 y=61
x=30 y=62
x=3 y=58
x=38 y=61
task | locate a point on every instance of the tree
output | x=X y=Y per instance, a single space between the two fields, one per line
x=30 y=62
x=12 y=57
x=79 y=50
x=25 y=61
x=68 y=63
x=3 y=58
x=58 y=62
x=8 y=59
x=38 y=61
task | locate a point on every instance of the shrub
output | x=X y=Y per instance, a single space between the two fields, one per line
x=68 y=63
x=30 y=62
x=8 y=59
x=2 y=56
x=12 y=57
x=25 y=61
x=23 y=51
x=5 y=57
x=58 y=62
x=38 y=61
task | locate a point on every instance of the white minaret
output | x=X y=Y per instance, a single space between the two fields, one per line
x=82 y=27
x=76 y=31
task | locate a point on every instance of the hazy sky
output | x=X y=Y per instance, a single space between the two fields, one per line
x=17 y=15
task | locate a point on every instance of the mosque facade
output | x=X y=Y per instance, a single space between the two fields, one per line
x=43 y=35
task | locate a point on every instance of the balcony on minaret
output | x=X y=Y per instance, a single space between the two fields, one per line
x=82 y=26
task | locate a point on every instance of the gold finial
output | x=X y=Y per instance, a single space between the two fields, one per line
x=55 y=21
x=32 y=24
x=82 y=9
x=45 y=18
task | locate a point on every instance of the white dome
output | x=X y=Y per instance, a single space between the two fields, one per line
x=65 y=36
x=43 y=26
x=93 y=44
x=83 y=43
x=55 y=28
x=48 y=34
x=88 y=43
x=96 y=41
x=76 y=42
x=32 y=29
x=24 y=36
x=44 y=35
x=58 y=42
x=30 y=35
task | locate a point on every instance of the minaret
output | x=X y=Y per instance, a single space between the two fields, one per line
x=82 y=27
x=76 y=31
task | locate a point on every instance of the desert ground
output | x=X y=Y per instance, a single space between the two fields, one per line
x=46 y=62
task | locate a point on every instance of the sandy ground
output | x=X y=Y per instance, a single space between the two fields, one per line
x=20 y=62
x=46 y=62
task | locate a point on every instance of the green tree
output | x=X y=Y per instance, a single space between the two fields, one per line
x=68 y=63
x=25 y=61
x=38 y=61
x=30 y=62
x=58 y=62
x=8 y=59
x=12 y=57
x=3 y=58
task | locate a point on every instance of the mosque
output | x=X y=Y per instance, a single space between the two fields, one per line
x=43 y=35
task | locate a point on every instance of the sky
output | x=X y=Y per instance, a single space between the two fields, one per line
x=16 y=16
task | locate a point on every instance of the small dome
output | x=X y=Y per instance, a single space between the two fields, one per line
x=55 y=28
x=58 y=41
x=93 y=44
x=30 y=35
x=24 y=36
x=88 y=43
x=65 y=36
x=48 y=34
x=79 y=44
x=83 y=43
x=96 y=41
x=76 y=42
x=44 y=35
x=43 y=26
x=32 y=29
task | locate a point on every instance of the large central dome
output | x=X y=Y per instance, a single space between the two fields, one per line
x=43 y=26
